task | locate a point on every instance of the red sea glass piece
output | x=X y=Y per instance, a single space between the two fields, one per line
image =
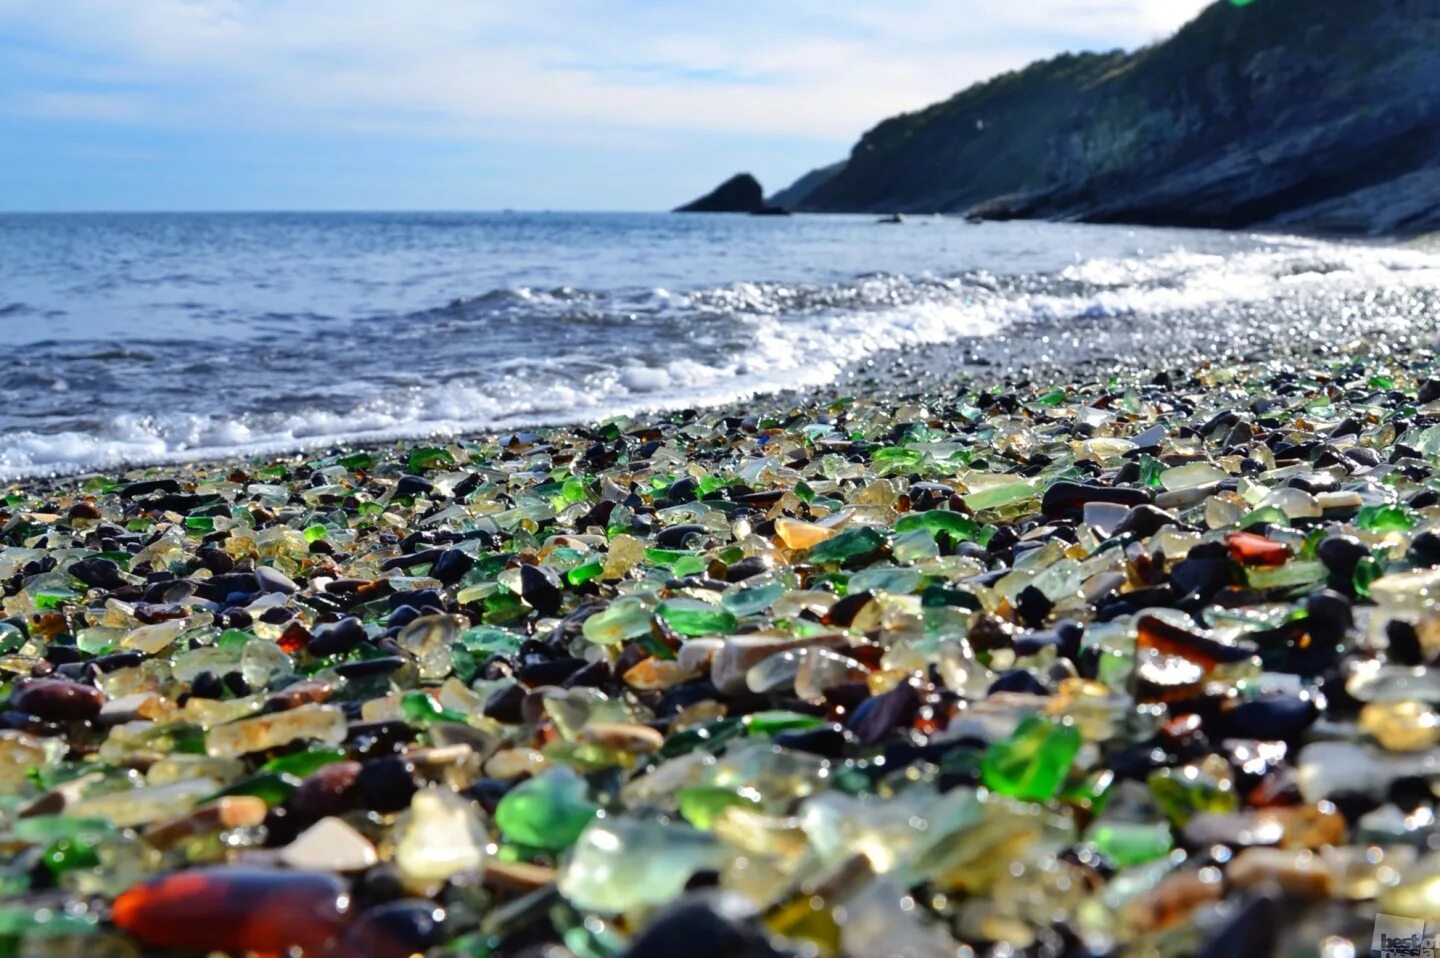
x=1153 y=632
x=1247 y=548
x=238 y=910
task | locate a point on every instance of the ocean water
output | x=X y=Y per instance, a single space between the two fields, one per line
x=137 y=338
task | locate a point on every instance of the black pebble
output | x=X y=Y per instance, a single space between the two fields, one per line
x=1425 y=549
x=1328 y=616
x=97 y=573
x=386 y=784
x=1276 y=716
x=679 y=536
x=1404 y=641
x=506 y=705
x=1146 y=520
x=398 y=929
x=1033 y=606
x=337 y=638
x=694 y=929
x=368 y=667
x=828 y=741
x=1018 y=680
x=452 y=565
x=411 y=486
x=540 y=587
x=1341 y=554
x=745 y=568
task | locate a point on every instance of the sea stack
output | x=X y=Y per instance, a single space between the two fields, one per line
x=739 y=194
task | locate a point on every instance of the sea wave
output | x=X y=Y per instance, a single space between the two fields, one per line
x=513 y=357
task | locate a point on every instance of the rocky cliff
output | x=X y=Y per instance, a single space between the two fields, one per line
x=1318 y=114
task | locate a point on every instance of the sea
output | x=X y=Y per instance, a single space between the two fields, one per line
x=146 y=338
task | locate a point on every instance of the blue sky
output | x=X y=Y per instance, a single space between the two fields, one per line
x=485 y=104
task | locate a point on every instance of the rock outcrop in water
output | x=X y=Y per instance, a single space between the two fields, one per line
x=739 y=194
x=1286 y=113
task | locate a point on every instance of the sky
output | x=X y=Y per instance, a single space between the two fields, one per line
x=485 y=104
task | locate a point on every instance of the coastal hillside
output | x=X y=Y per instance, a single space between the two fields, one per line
x=1293 y=113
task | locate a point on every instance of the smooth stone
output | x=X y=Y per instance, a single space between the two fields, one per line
x=740 y=653
x=877 y=715
x=1103 y=517
x=98 y=573
x=620 y=865
x=1328 y=616
x=327 y=791
x=132 y=708
x=540 y=587
x=397 y=929
x=241 y=910
x=698 y=929
x=410 y=486
x=451 y=566
x=1425 y=549
x=831 y=741
x=1146 y=520
x=1181 y=499
x=1273 y=716
x=337 y=638
x=522 y=877
x=273 y=580
x=233 y=811
x=622 y=736
x=149 y=487
x=142 y=806
x=330 y=845
x=443 y=836
x=1401 y=726
x=549 y=811
x=1341 y=554
x=322 y=723
x=1070 y=498
x=58 y=700
x=386 y=784
x=1298 y=872
x=1403 y=645
x=680 y=536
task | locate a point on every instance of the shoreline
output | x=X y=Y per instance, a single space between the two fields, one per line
x=1043 y=609
x=1180 y=306
x=1011 y=354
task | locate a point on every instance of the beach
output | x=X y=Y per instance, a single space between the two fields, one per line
x=639 y=480
x=1078 y=657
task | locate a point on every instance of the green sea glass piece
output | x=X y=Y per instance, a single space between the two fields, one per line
x=547 y=812
x=419 y=707
x=754 y=600
x=1132 y=843
x=702 y=804
x=776 y=721
x=622 y=864
x=303 y=764
x=693 y=617
x=626 y=618
x=1385 y=519
x=852 y=544
x=1181 y=793
x=1032 y=763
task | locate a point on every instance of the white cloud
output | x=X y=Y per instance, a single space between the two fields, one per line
x=481 y=69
